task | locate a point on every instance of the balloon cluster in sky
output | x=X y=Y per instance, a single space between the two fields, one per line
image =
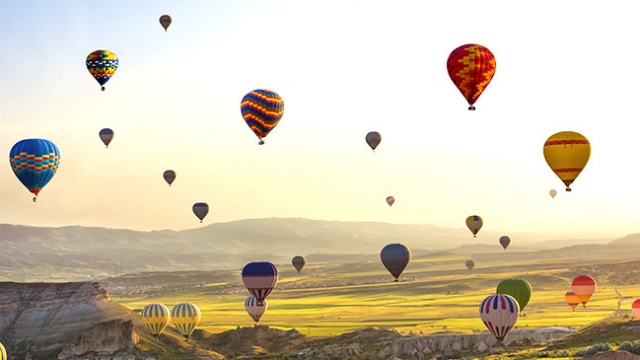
x=471 y=68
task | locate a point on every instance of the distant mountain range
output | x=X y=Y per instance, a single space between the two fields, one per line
x=73 y=252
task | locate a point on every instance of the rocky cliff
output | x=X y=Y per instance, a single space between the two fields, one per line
x=49 y=320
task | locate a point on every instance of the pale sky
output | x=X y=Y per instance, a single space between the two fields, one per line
x=343 y=68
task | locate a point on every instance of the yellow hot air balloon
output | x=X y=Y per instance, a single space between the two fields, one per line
x=567 y=153
x=474 y=223
x=185 y=316
x=155 y=317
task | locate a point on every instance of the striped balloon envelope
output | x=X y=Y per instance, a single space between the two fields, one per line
x=254 y=308
x=499 y=313
x=471 y=68
x=262 y=111
x=567 y=153
x=155 y=317
x=572 y=299
x=635 y=308
x=185 y=317
x=584 y=286
x=34 y=162
x=260 y=278
x=298 y=262
x=102 y=65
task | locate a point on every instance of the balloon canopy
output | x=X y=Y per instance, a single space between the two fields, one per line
x=185 y=317
x=102 y=64
x=260 y=278
x=471 y=68
x=155 y=317
x=567 y=153
x=165 y=21
x=262 y=111
x=34 y=162
x=499 y=313
x=298 y=262
x=519 y=289
x=395 y=257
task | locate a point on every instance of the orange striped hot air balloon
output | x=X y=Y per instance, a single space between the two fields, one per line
x=635 y=308
x=583 y=286
x=567 y=153
x=471 y=68
x=572 y=299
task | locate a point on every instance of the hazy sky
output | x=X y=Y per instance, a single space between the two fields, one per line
x=343 y=68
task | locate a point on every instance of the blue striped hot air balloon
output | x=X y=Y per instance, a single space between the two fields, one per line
x=262 y=110
x=185 y=316
x=260 y=278
x=155 y=317
x=34 y=161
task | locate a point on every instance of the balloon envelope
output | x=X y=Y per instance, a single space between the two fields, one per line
x=373 y=139
x=584 y=286
x=262 y=111
x=471 y=68
x=34 y=162
x=165 y=21
x=469 y=264
x=553 y=193
x=635 y=308
x=499 y=313
x=519 y=289
x=395 y=258
x=3 y=352
x=474 y=223
x=106 y=135
x=390 y=200
x=567 y=153
x=155 y=317
x=185 y=317
x=102 y=64
x=505 y=241
x=200 y=210
x=169 y=176
x=298 y=262
x=572 y=299
x=260 y=278
x=254 y=308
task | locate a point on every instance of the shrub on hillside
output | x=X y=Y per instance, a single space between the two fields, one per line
x=632 y=347
x=593 y=349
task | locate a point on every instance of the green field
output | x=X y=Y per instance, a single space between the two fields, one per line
x=437 y=294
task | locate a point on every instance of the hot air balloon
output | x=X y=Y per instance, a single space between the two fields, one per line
x=499 y=313
x=262 y=110
x=553 y=193
x=505 y=241
x=254 y=308
x=165 y=21
x=395 y=258
x=519 y=289
x=102 y=64
x=572 y=299
x=567 y=153
x=470 y=264
x=34 y=161
x=635 y=308
x=169 y=177
x=584 y=286
x=474 y=223
x=106 y=135
x=201 y=210
x=3 y=352
x=471 y=68
x=298 y=262
x=260 y=278
x=390 y=200
x=185 y=317
x=155 y=317
x=373 y=139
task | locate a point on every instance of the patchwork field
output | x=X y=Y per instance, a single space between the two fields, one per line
x=435 y=294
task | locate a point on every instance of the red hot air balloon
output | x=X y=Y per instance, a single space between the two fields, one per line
x=583 y=286
x=471 y=68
